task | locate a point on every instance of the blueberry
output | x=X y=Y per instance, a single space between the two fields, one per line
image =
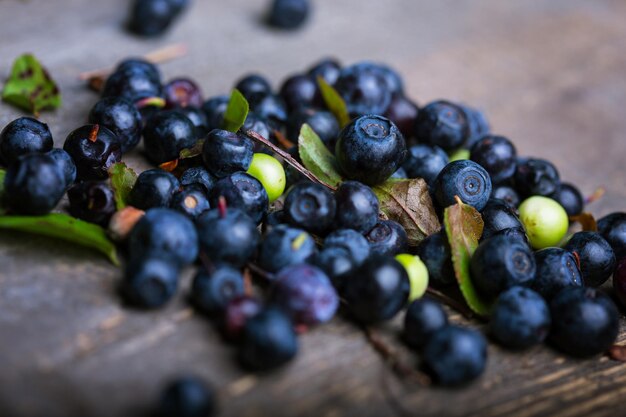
x=612 y=227
x=299 y=91
x=619 y=281
x=328 y=68
x=465 y=179
x=497 y=216
x=425 y=161
x=237 y=312
x=311 y=207
x=322 y=122
x=500 y=263
x=139 y=65
x=556 y=269
x=520 y=318
x=497 y=155
x=33 y=185
x=305 y=292
x=284 y=246
x=94 y=149
x=400 y=174
x=568 y=196
x=387 y=238
x=357 y=207
x=253 y=87
x=424 y=317
x=166 y=134
x=188 y=396
x=153 y=17
x=350 y=240
x=393 y=80
x=455 y=355
x=244 y=192
x=211 y=292
x=133 y=80
x=335 y=261
x=595 y=256
x=517 y=233
x=92 y=201
x=269 y=340
x=199 y=176
x=507 y=194
x=65 y=164
x=370 y=149
x=273 y=219
x=164 y=231
x=272 y=108
x=477 y=124
x=442 y=124
x=191 y=201
x=403 y=113
x=225 y=153
x=198 y=118
x=119 y=115
x=377 y=290
x=153 y=188
x=182 y=92
x=364 y=89
x=150 y=280
x=259 y=125
x=22 y=136
x=435 y=252
x=230 y=236
x=536 y=177
x=289 y=14
x=214 y=109
x=585 y=322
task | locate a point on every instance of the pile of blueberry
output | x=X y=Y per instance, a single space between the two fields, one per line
x=313 y=248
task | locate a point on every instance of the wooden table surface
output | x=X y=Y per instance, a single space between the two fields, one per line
x=550 y=74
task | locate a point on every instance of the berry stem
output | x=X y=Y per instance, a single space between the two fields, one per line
x=451 y=302
x=93 y=135
x=222 y=206
x=282 y=140
x=288 y=158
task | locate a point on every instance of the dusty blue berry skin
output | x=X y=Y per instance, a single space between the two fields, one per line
x=164 y=231
x=150 y=281
x=214 y=109
x=33 y=185
x=336 y=262
x=198 y=176
x=66 y=165
x=556 y=270
x=370 y=149
x=187 y=396
x=197 y=117
x=455 y=355
x=166 y=134
x=93 y=158
x=434 y=251
x=442 y=124
x=500 y=263
x=311 y=207
x=569 y=196
x=477 y=123
x=139 y=65
x=289 y=14
x=613 y=228
x=271 y=108
x=597 y=259
x=244 y=192
x=497 y=216
x=387 y=238
x=134 y=80
x=357 y=246
x=364 y=88
x=328 y=68
x=465 y=179
x=231 y=238
x=268 y=341
x=23 y=136
x=253 y=87
x=322 y=122
x=306 y=293
x=225 y=153
x=585 y=322
x=153 y=188
x=119 y=115
x=536 y=177
x=497 y=155
x=520 y=318
x=403 y=113
x=507 y=194
x=299 y=91
x=92 y=201
x=284 y=246
x=423 y=318
x=377 y=290
x=192 y=201
x=517 y=233
x=425 y=161
x=152 y=18
x=357 y=207
x=212 y=291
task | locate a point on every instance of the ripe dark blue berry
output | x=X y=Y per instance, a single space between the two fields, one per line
x=198 y=118
x=65 y=164
x=387 y=238
x=119 y=115
x=613 y=228
x=364 y=89
x=569 y=196
x=403 y=113
x=237 y=312
x=536 y=177
x=370 y=149
x=520 y=318
x=152 y=17
x=465 y=179
x=585 y=322
x=596 y=258
x=299 y=91
x=244 y=192
x=198 y=176
x=435 y=252
x=92 y=201
x=335 y=261
x=94 y=149
x=289 y=14
x=188 y=396
x=442 y=124
x=271 y=108
x=166 y=134
x=423 y=318
x=507 y=194
x=477 y=124
x=497 y=155
x=259 y=125
x=322 y=122
x=191 y=201
x=214 y=109
x=134 y=80
x=357 y=207
x=139 y=65
x=22 y=136
x=425 y=161
x=212 y=291
x=225 y=153
x=357 y=246
x=284 y=246
x=556 y=269
x=153 y=188
x=329 y=69
x=253 y=87
x=497 y=216
x=151 y=280
x=311 y=207
x=182 y=92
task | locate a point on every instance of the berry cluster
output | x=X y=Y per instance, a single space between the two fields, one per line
x=226 y=210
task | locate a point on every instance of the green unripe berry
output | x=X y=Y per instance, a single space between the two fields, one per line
x=545 y=221
x=270 y=173
x=418 y=274
x=459 y=154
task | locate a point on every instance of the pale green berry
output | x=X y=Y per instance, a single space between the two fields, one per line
x=459 y=155
x=545 y=221
x=270 y=172
x=418 y=274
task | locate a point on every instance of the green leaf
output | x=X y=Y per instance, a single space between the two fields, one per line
x=30 y=87
x=334 y=102
x=122 y=181
x=236 y=112
x=316 y=157
x=408 y=202
x=64 y=227
x=464 y=226
x=195 y=150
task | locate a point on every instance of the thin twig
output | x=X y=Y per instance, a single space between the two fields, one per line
x=255 y=269
x=282 y=140
x=451 y=302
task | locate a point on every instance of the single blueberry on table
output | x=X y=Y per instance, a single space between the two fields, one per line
x=354 y=242
x=536 y=177
x=435 y=252
x=212 y=291
x=556 y=269
x=150 y=280
x=119 y=115
x=225 y=153
x=498 y=216
x=423 y=318
x=357 y=207
x=65 y=164
x=182 y=92
x=244 y=192
x=187 y=396
x=425 y=161
x=595 y=255
x=569 y=196
x=364 y=89
x=284 y=246
x=152 y=18
x=192 y=201
x=497 y=155
x=94 y=149
x=153 y=188
x=92 y=201
x=166 y=134
x=613 y=228
x=23 y=136
x=465 y=179
x=311 y=207
x=442 y=124
x=387 y=238
x=289 y=14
